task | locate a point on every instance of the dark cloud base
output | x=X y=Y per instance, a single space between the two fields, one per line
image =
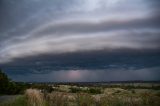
x=145 y=74
x=91 y=60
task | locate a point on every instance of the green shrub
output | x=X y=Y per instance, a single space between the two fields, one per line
x=10 y=87
x=95 y=90
x=75 y=90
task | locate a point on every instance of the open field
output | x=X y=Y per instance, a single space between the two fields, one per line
x=126 y=94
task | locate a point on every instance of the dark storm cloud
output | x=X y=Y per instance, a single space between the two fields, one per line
x=57 y=36
x=94 y=60
x=143 y=40
x=16 y=14
x=154 y=6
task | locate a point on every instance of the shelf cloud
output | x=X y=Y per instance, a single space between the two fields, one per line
x=36 y=28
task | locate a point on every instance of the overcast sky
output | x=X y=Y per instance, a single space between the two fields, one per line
x=80 y=40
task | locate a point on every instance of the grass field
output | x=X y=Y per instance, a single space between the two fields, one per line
x=72 y=95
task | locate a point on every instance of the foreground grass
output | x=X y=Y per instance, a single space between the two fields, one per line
x=111 y=97
x=116 y=98
x=18 y=101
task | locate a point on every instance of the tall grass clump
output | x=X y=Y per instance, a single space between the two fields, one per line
x=57 y=99
x=83 y=99
x=111 y=101
x=148 y=99
x=34 y=97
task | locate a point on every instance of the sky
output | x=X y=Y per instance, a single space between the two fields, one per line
x=80 y=40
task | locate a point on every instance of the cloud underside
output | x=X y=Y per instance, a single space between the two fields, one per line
x=91 y=60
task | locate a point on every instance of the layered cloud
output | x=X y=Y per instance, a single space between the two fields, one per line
x=87 y=25
x=37 y=28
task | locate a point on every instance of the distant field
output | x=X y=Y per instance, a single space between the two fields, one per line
x=117 y=94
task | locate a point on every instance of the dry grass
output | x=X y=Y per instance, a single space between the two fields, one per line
x=57 y=99
x=115 y=97
x=83 y=99
x=35 y=97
